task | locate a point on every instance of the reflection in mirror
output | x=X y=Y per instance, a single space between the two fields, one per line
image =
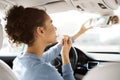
x=104 y=21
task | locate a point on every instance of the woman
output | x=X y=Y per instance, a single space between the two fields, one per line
x=34 y=27
x=114 y=20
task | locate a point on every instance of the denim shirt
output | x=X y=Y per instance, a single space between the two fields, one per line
x=31 y=67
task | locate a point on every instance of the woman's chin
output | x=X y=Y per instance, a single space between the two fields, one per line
x=53 y=41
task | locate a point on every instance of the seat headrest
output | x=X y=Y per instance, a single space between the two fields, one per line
x=1 y=36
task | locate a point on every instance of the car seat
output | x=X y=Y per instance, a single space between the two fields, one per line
x=110 y=71
x=6 y=72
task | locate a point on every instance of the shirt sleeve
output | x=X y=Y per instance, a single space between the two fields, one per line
x=53 y=52
x=67 y=73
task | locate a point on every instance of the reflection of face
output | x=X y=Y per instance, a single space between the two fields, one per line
x=115 y=20
x=50 y=31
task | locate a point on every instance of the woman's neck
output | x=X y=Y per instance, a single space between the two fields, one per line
x=37 y=49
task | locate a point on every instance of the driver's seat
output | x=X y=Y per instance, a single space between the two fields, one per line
x=5 y=71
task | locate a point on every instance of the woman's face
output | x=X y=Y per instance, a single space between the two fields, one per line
x=50 y=31
x=115 y=20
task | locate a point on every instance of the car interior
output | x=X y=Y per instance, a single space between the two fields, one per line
x=6 y=71
x=95 y=55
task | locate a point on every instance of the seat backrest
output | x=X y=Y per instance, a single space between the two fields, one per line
x=110 y=71
x=6 y=72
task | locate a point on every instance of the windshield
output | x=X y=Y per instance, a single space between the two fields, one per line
x=68 y=23
x=95 y=40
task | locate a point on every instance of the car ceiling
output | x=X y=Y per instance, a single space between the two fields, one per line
x=51 y=6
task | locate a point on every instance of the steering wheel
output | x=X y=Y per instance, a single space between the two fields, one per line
x=57 y=62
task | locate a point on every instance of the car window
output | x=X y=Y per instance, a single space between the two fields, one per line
x=69 y=22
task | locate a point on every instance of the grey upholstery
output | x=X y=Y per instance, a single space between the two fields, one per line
x=5 y=71
x=107 y=72
x=1 y=36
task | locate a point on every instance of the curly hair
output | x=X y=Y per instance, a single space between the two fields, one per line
x=22 y=22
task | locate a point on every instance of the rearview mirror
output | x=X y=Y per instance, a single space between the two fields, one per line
x=104 y=21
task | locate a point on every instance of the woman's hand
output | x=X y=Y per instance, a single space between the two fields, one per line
x=66 y=46
x=82 y=30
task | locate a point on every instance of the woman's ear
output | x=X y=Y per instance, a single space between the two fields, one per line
x=40 y=30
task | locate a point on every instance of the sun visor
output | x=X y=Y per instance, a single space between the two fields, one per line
x=96 y=6
x=113 y=4
x=118 y=1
